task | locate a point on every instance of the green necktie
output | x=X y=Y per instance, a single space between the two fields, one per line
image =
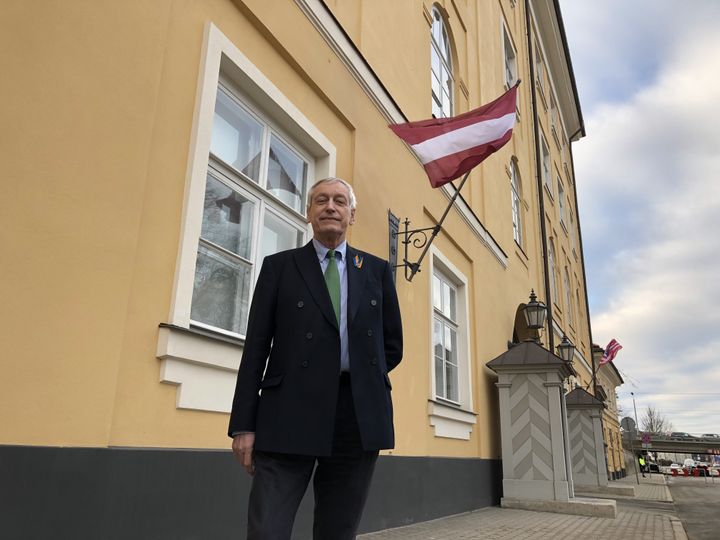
x=332 y=280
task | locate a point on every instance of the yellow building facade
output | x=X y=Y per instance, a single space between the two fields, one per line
x=608 y=379
x=155 y=152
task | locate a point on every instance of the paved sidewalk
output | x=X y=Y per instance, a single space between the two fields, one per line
x=494 y=523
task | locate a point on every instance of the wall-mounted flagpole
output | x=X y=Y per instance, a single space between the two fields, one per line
x=419 y=238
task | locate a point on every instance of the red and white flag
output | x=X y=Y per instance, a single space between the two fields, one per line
x=450 y=147
x=611 y=350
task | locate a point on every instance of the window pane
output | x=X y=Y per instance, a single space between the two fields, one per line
x=287 y=174
x=446 y=105
x=436 y=109
x=438 y=340
x=446 y=299
x=437 y=293
x=434 y=60
x=236 y=136
x=435 y=83
x=227 y=218
x=278 y=236
x=450 y=342
x=220 y=296
x=451 y=382
x=439 y=377
x=439 y=359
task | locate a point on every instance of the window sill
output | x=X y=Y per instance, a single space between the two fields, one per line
x=450 y=421
x=202 y=364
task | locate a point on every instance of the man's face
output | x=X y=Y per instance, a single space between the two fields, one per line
x=330 y=213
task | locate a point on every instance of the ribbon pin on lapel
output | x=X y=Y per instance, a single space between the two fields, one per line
x=357 y=261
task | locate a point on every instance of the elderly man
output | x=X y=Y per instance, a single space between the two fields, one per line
x=313 y=392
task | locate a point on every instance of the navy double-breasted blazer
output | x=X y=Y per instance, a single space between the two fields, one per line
x=288 y=378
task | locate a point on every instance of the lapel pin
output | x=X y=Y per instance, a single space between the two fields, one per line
x=357 y=261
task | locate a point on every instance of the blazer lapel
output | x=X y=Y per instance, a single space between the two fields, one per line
x=356 y=281
x=307 y=262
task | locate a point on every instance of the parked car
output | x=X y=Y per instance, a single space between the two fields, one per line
x=710 y=436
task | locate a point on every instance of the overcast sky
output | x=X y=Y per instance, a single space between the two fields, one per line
x=648 y=177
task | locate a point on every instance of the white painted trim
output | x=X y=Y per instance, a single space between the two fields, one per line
x=204 y=368
x=451 y=422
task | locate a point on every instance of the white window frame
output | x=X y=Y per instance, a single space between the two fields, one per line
x=515 y=191
x=510 y=59
x=546 y=165
x=452 y=420
x=561 y=201
x=200 y=363
x=445 y=63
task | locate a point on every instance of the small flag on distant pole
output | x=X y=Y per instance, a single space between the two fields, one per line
x=450 y=147
x=611 y=350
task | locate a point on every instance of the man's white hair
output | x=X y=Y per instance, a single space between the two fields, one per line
x=333 y=180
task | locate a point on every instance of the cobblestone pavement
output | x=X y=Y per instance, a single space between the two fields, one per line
x=494 y=523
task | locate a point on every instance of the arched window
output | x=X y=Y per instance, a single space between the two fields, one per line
x=516 y=202
x=441 y=78
x=551 y=271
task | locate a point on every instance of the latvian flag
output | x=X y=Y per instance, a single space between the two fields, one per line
x=611 y=350
x=450 y=147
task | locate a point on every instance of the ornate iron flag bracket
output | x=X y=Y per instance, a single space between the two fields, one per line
x=419 y=238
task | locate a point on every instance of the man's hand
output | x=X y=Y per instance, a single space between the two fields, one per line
x=242 y=447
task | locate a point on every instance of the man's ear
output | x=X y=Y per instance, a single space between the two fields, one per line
x=352 y=216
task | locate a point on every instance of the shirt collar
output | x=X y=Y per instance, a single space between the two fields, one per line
x=322 y=250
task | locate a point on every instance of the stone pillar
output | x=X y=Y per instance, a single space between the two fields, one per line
x=587 y=450
x=531 y=392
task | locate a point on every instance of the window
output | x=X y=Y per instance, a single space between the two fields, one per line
x=516 y=202
x=441 y=78
x=568 y=298
x=540 y=71
x=554 y=120
x=561 y=200
x=573 y=239
x=551 y=272
x=510 y=60
x=450 y=403
x=247 y=181
x=254 y=206
x=547 y=178
x=445 y=330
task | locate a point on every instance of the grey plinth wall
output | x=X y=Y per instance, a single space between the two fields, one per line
x=531 y=392
x=586 y=439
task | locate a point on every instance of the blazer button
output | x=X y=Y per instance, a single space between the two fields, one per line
x=373 y=302
x=369 y=332
x=308 y=335
x=373 y=362
x=300 y=303
x=304 y=363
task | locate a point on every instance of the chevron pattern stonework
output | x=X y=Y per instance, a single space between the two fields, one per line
x=530 y=421
x=582 y=442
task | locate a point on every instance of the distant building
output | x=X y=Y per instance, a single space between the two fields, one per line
x=155 y=152
x=608 y=379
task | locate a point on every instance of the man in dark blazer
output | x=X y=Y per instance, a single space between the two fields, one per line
x=313 y=392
